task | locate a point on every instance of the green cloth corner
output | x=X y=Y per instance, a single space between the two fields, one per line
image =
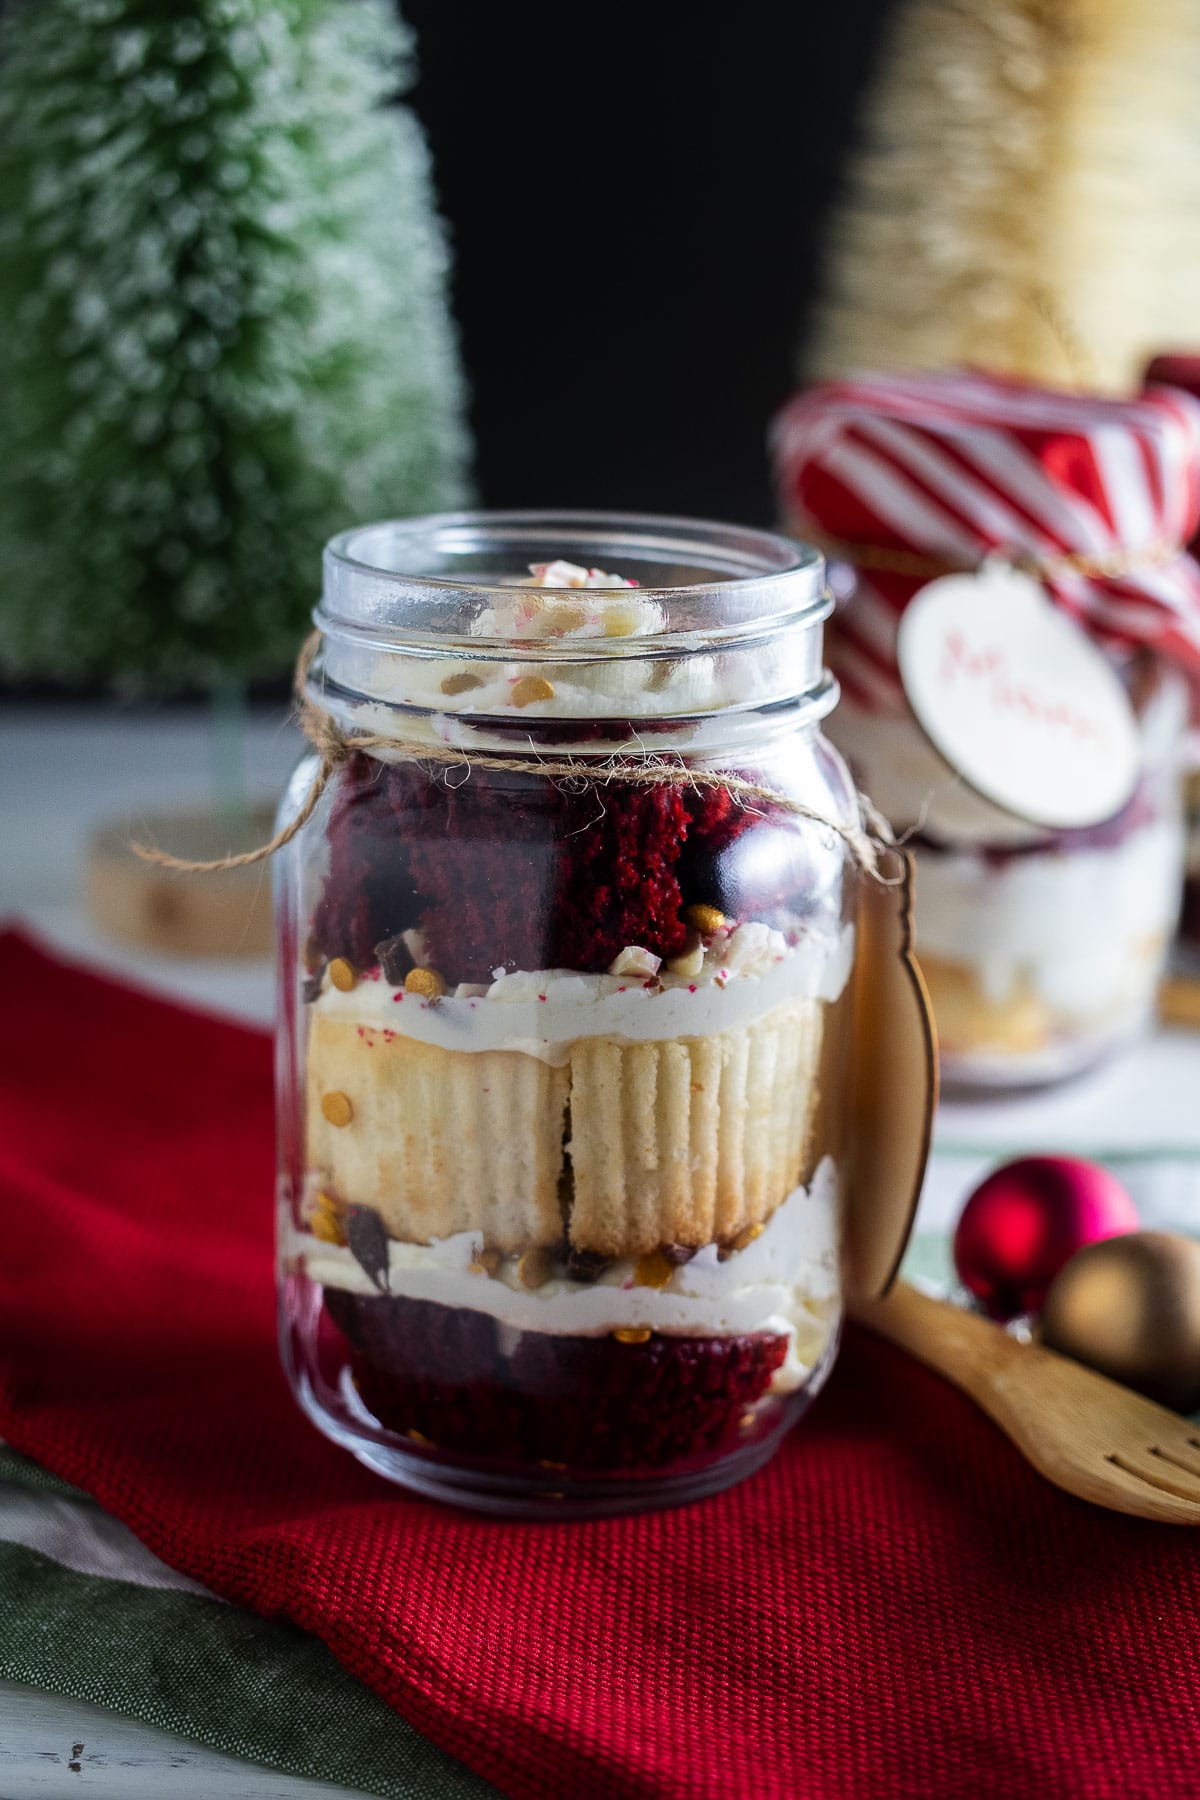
x=207 y=1671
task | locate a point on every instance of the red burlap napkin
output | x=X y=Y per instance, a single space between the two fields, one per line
x=896 y=1607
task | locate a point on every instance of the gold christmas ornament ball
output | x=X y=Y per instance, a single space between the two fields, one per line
x=1130 y=1307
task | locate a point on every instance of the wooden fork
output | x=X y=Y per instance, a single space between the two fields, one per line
x=1083 y=1432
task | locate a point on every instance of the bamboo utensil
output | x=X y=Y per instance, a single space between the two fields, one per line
x=1085 y=1433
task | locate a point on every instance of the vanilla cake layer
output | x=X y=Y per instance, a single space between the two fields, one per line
x=694 y=1140
x=687 y=1140
x=438 y=1141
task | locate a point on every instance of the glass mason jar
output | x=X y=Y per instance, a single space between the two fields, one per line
x=1041 y=952
x=562 y=1050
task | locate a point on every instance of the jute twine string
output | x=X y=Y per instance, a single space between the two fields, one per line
x=335 y=747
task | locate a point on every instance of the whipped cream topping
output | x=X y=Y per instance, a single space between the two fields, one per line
x=564 y=574
x=539 y=608
x=746 y=971
x=546 y=605
x=785 y=1282
x=558 y=601
x=451 y=688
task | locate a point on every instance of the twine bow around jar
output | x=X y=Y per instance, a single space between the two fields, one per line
x=865 y=841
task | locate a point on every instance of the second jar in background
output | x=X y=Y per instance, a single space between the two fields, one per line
x=1042 y=948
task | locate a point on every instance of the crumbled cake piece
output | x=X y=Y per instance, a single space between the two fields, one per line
x=511 y=871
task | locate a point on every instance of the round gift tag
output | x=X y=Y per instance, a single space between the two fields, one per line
x=1018 y=699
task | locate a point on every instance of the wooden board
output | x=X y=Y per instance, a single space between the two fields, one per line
x=53 y=1748
x=893 y=1084
x=222 y=914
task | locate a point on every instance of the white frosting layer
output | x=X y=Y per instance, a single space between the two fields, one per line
x=534 y=612
x=543 y=1012
x=593 y=657
x=634 y=687
x=1083 y=927
x=785 y=1282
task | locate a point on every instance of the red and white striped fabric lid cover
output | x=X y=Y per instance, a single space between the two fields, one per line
x=961 y=466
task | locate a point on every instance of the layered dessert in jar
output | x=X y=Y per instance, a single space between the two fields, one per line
x=564 y=1058
x=1042 y=946
x=1041 y=950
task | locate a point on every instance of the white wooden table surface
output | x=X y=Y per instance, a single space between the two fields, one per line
x=64 y=770
x=56 y=1749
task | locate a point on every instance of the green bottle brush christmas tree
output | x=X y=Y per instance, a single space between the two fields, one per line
x=223 y=282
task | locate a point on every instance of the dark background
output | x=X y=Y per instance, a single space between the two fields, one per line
x=635 y=197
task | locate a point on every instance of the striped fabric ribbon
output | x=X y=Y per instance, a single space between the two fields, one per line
x=1096 y=494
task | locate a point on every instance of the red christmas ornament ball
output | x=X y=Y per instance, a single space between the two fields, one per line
x=1025 y=1222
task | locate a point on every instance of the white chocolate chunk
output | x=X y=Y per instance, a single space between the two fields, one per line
x=633 y=960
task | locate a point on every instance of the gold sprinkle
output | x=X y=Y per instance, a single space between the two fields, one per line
x=653 y=1271
x=343 y=974
x=632 y=1334
x=545 y=1463
x=325 y=1221
x=746 y=1237
x=418 y=1437
x=530 y=688
x=535 y=1267
x=705 y=919
x=748 y=1421
x=426 y=982
x=553 y=1494
x=460 y=684
x=338 y=1108
x=486 y=1263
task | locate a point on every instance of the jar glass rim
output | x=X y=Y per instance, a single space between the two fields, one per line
x=433 y=573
